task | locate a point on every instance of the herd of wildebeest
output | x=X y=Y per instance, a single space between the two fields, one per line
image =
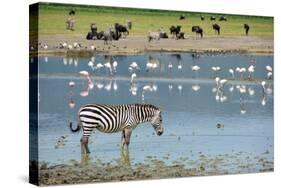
x=118 y=31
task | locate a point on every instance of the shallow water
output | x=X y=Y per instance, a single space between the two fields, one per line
x=187 y=99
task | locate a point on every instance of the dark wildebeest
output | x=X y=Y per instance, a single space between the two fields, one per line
x=175 y=30
x=182 y=17
x=129 y=24
x=100 y=35
x=202 y=18
x=121 y=29
x=247 y=28
x=153 y=36
x=163 y=34
x=223 y=18
x=212 y=18
x=72 y=12
x=217 y=28
x=197 y=30
x=90 y=36
x=180 y=35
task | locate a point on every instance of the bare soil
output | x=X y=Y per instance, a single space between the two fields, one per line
x=131 y=45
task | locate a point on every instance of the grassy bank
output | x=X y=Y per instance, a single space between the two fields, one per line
x=53 y=16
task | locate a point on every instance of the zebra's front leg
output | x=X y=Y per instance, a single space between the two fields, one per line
x=126 y=135
x=84 y=145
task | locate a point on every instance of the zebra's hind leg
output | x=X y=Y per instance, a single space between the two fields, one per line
x=84 y=145
x=126 y=135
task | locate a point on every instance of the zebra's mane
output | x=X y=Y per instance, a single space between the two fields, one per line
x=149 y=106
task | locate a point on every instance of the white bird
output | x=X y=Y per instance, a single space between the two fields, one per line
x=70 y=46
x=269 y=75
x=76 y=45
x=223 y=81
x=90 y=64
x=93 y=59
x=64 y=44
x=99 y=65
x=45 y=46
x=93 y=47
x=134 y=65
x=231 y=71
x=268 y=68
x=195 y=87
x=180 y=66
x=170 y=87
x=114 y=64
x=195 y=68
x=84 y=73
x=180 y=87
x=107 y=65
x=71 y=84
x=251 y=68
x=170 y=65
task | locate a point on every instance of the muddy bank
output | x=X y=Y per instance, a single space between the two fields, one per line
x=152 y=168
x=133 y=45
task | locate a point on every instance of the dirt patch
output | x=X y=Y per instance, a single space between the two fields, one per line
x=133 y=45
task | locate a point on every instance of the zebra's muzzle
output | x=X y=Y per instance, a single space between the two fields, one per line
x=160 y=132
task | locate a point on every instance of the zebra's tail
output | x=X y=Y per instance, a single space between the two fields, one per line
x=76 y=129
x=78 y=125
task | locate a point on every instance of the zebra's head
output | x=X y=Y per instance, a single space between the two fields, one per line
x=156 y=122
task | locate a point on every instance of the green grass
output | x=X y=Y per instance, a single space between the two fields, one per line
x=52 y=19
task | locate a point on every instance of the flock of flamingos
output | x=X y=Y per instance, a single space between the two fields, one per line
x=239 y=74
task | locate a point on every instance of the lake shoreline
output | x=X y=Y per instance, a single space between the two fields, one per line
x=138 y=45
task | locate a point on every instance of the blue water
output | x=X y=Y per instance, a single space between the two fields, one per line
x=190 y=116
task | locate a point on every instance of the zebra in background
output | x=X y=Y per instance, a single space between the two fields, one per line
x=116 y=118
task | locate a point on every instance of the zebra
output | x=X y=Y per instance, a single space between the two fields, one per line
x=116 y=118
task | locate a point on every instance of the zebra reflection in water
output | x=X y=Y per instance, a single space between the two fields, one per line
x=116 y=118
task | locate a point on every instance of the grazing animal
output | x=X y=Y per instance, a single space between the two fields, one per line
x=175 y=30
x=72 y=12
x=202 y=18
x=223 y=18
x=217 y=28
x=163 y=34
x=129 y=24
x=180 y=36
x=70 y=23
x=247 y=28
x=94 y=28
x=108 y=36
x=116 y=118
x=153 y=36
x=197 y=30
x=100 y=35
x=122 y=29
x=212 y=18
x=182 y=17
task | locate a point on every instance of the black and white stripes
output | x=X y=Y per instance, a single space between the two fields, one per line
x=115 y=118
